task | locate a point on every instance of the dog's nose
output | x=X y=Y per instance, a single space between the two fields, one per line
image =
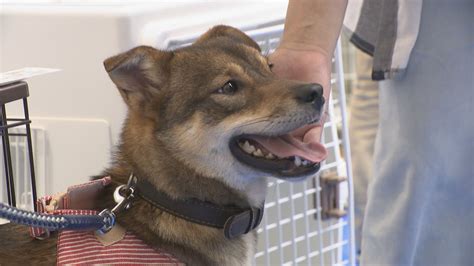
x=310 y=93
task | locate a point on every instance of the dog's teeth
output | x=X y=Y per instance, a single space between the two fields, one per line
x=304 y=162
x=270 y=156
x=246 y=145
x=258 y=153
x=248 y=148
x=297 y=161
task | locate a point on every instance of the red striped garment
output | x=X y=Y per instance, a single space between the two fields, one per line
x=77 y=197
x=83 y=248
x=41 y=203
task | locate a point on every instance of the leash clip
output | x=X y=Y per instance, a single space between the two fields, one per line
x=124 y=194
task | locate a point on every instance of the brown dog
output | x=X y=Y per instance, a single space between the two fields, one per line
x=207 y=122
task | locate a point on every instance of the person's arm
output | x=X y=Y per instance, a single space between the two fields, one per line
x=313 y=25
x=305 y=51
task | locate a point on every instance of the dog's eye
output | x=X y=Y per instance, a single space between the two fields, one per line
x=230 y=87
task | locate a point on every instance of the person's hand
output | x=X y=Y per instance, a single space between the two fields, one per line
x=308 y=65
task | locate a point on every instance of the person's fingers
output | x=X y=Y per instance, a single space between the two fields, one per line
x=307 y=67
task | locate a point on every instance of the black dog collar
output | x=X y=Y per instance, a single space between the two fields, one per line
x=235 y=221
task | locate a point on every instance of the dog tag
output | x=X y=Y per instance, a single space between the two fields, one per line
x=115 y=234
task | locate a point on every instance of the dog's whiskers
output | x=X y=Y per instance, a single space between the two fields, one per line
x=275 y=123
x=254 y=121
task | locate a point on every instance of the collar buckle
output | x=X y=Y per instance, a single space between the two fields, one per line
x=243 y=222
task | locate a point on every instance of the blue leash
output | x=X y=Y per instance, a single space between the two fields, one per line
x=102 y=222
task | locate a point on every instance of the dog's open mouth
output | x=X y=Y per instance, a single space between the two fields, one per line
x=295 y=154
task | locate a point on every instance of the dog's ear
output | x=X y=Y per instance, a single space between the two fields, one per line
x=140 y=72
x=228 y=32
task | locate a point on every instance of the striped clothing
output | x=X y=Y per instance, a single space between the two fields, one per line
x=385 y=29
x=83 y=247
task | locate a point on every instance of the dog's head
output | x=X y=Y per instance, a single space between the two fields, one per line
x=217 y=107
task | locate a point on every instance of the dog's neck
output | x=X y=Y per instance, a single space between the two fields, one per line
x=177 y=180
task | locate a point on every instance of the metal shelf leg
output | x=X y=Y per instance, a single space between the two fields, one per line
x=7 y=158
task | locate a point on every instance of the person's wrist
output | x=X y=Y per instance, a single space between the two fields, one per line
x=310 y=65
x=315 y=52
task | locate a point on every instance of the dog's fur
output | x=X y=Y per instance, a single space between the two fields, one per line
x=177 y=134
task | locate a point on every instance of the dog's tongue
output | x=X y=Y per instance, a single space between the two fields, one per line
x=301 y=142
